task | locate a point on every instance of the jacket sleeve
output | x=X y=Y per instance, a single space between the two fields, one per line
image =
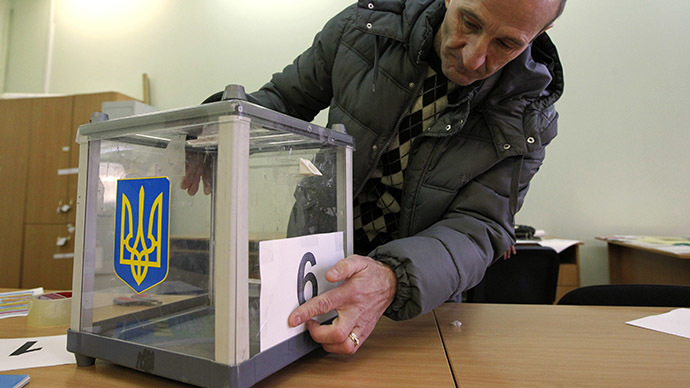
x=304 y=87
x=439 y=263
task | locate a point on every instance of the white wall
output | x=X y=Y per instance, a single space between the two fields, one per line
x=5 y=17
x=619 y=165
x=189 y=49
x=27 y=46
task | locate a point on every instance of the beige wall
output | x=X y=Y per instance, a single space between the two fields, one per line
x=619 y=165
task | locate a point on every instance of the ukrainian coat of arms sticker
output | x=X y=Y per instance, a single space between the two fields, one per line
x=141 y=232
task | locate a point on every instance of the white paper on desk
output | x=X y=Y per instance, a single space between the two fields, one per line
x=280 y=263
x=557 y=244
x=677 y=249
x=22 y=353
x=676 y=322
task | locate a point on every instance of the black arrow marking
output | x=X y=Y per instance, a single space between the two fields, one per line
x=25 y=349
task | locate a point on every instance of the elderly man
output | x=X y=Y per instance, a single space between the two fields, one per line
x=451 y=105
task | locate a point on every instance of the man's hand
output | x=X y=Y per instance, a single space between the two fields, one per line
x=197 y=168
x=368 y=289
x=511 y=251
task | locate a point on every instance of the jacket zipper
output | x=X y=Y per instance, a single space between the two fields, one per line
x=411 y=101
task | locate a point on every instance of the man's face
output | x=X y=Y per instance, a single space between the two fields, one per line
x=478 y=37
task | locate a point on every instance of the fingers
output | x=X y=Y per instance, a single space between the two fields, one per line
x=331 y=299
x=367 y=290
x=190 y=182
x=346 y=268
x=334 y=337
x=333 y=333
x=338 y=337
x=320 y=304
x=348 y=346
x=197 y=168
x=327 y=334
x=191 y=185
x=511 y=251
x=207 y=176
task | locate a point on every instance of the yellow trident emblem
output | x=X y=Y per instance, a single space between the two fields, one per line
x=142 y=241
x=139 y=260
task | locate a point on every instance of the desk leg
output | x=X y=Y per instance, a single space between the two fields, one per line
x=616 y=269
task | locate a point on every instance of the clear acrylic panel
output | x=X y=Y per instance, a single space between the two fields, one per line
x=277 y=181
x=294 y=190
x=176 y=313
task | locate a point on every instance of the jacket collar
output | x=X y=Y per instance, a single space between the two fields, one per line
x=410 y=22
x=526 y=87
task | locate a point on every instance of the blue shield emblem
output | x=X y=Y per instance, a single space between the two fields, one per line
x=141 y=232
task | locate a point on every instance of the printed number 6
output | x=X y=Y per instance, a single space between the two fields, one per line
x=302 y=280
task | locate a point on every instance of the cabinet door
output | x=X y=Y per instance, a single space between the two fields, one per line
x=48 y=257
x=14 y=156
x=51 y=128
x=83 y=106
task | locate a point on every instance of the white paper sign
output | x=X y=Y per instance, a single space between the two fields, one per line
x=293 y=270
x=22 y=353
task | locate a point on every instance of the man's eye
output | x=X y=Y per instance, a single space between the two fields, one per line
x=471 y=26
x=504 y=45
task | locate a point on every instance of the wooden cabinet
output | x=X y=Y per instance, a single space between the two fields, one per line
x=15 y=122
x=40 y=157
x=50 y=145
x=48 y=256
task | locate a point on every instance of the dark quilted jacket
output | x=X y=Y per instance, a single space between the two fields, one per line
x=467 y=175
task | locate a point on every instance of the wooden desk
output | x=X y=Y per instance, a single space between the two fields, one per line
x=103 y=374
x=403 y=354
x=543 y=345
x=630 y=263
x=398 y=354
x=497 y=345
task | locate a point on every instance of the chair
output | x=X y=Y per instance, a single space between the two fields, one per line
x=656 y=295
x=528 y=277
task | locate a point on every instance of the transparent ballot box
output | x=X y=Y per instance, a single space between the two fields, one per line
x=198 y=286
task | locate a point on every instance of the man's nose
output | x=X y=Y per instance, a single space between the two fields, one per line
x=474 y=54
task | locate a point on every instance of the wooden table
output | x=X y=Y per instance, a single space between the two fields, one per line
x=398 y=354
x=560 y=346
x=630 y=263
x=497 y=345
x=402 y=354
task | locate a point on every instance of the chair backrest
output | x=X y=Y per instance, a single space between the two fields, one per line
x=656 y=295
x=528 y=277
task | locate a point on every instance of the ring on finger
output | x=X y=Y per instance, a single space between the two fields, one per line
x=354 y=338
